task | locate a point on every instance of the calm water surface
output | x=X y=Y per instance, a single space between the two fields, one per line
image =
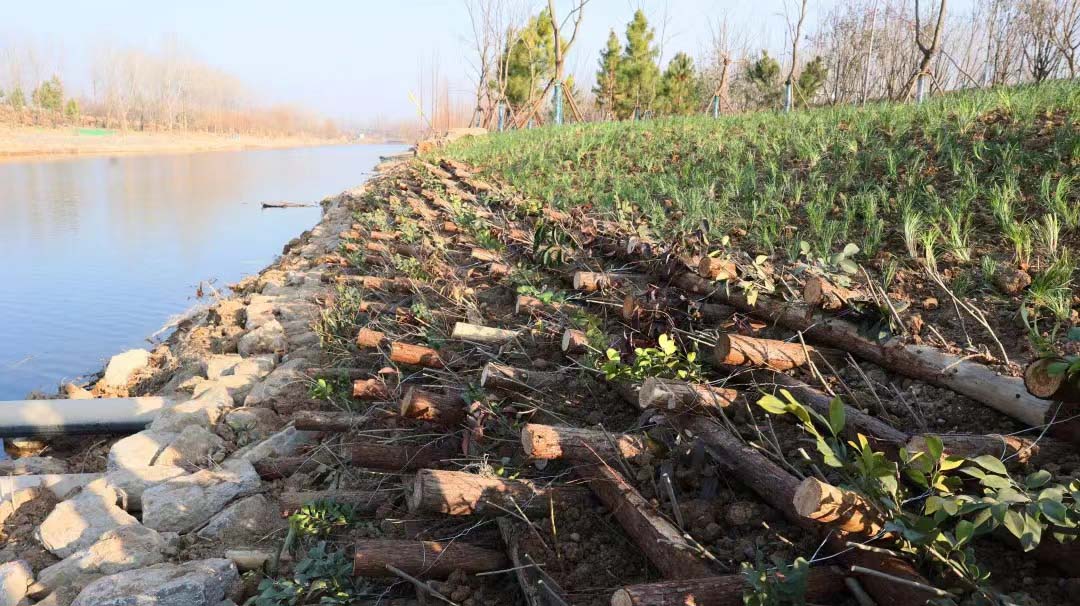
x=97 y=254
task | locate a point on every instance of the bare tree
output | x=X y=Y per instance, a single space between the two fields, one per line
x=577 y=14
x=795 y=30
x=927 y=49
x=1065 y=32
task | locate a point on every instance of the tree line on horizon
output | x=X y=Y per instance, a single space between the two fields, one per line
x=862 y=50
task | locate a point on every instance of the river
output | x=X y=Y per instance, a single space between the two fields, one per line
x=96 y=254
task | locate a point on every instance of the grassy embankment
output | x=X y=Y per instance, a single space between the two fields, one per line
x=34 y=143
x=964 y=187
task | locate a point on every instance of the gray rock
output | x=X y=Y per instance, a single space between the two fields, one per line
x=123 y=366
x=210 y=402
x=11 y=502
x=266 y=339
x=132 y=482
x=284 y=443
x=140 y=449
x=195 y=446
x=186 y=502
x=15 y=578
x=260 y=310
x=288 y=375
x=244 y=522
x=226 y=365
x=249 y=425
x=221 y=364
x=196 y=583
x=61 y=485
x=32 y=465
x=125 y=548
x=79 y=522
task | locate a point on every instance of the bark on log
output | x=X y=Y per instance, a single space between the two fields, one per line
x=400 y=457
x=712 y=268
x=1042 y=383
x=363 y=502
x=370 y=389
x=777 y=488
x=668 y=394
x=483 y=254
x=279 y=468
x=458 y=493
x=527 y=304
x=976 y=381
x=424 y=559
x=582 y=445
x=385 y=236
x=444 y=409
x=822 y=584
x=842 y=510
x=819 y=292
x=450 y=227
x=574 y=341
x=660 y=540
x=499 y=376
x=499 y=270
x=482 y=334
x=1023 y=449
x=317 y=420
x=414 y=355
x=588 y=281
x=737 y=350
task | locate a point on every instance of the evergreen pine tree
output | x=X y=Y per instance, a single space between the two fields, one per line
x=607 y=77
x=16 y=98
x=680 y=88
x=529 y=61
x=639 y=76
x=810 y=81
x=764 y=74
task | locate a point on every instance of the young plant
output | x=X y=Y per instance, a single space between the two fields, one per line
x=665 y=362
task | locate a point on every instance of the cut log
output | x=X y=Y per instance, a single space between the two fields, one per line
x=976 y=381
x=713 y=268
x=388 y=284
x=668 y=394
x=333 y=421
x=384 y=236
x=370 y=389
x=842 y=510
x=1042 y=382
x=582 y=445
x=401 y=457
x=450 y=227
x=737 y=350
x=370 y=339
x=458 y=493
x=482 y=334
x=372 y=307
x=588 y=281
x=574 y=341
x=424 y=559
x=777 y=488
x=508 y=378
x=279 y=468
x=499 y=270
x=483 y=254
x=363 y=502
x=414 y=355
x=822 y=584
x=660 y=540
x=819 y=292
x=1022 y=449
x=444 y=409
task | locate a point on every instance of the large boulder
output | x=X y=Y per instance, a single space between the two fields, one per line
x=195 y=446
x=125 y=548
x=196 y=583
x=15 y=578
x=79 y=522
x=133 y=481
x=244 y=522
x=204 y=410
x=260 y=310
x=249 y=425
x=139 y=450
x=123 y=366
x=284 y=443
x=186 y=502
x=266 y=339
x=285 y=378
x=232 y=365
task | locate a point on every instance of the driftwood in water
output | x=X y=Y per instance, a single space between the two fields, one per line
x=444 y=409
x=822 y=584
x=669 y=394
x=499 y=376
x=660 y=540
x=424 y=559
x=582 y=445
x=459 y=493
x=364 y=502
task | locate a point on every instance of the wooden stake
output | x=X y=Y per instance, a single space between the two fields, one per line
x=425 y=559
x=668 y=394
x=585 y=445
x=459 y=493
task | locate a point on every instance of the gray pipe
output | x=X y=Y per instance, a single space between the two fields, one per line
x=23 y=418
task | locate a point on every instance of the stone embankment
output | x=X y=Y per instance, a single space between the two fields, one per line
x=152 y=517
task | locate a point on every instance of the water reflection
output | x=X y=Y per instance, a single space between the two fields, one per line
x=95 y=254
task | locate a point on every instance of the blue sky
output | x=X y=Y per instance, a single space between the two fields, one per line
x=347 y=59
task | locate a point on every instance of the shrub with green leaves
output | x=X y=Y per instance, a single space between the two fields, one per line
x=664 y=362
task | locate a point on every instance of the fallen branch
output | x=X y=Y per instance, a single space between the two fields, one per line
x=426 y=559
x=553 y=442
x=459 y=493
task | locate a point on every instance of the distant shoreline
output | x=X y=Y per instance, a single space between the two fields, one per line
x=24 y=144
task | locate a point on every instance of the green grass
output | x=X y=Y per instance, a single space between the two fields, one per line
x=962 y=177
